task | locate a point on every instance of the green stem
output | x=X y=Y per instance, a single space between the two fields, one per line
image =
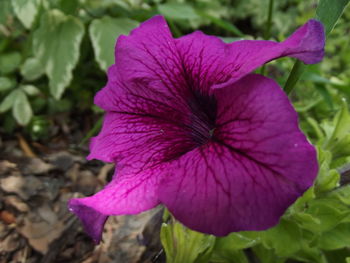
x=93 y=131
x=294 y=76
x=174 y=29
x=269 y=21
x=267 y=33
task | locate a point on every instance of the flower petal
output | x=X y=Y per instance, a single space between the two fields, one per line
x=257 y=164
x=128 y=193
x=140 y=141
x=208 y=61
x=306 y=44
x=149 y=56
x=93 y=221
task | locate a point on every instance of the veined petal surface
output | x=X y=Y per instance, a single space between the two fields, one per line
x=255 y=166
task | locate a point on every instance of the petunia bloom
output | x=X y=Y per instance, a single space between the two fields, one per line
x=191 y=128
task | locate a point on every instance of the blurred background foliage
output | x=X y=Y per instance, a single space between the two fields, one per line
x=53 y=59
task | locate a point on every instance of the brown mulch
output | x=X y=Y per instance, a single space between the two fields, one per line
x=36 y=181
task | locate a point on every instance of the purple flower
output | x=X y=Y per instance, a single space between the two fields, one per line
x=188 y=126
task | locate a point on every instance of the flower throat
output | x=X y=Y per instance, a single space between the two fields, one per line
x=203 y=118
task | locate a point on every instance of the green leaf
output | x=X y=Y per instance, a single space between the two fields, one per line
x=327 y=179
x=286 y=232
x=234 y=256
x=21 y=109
x=69 y=6
x=8 y=101
x=56 y=45
x=104 y=33
x=329 y=11
x=229 y=247
x=235 y=241
x=342 y=194
x=302 y=201
x=6 y=84
x=329 y=212
x=32 y=69
x=184 y=245
x=339 y=141
x=311 y=255
x=338 y=237
x=177 y=11
x=30 y=89
x=266 y=255
x=5 y=11
x=26 y=11
x=307 y=221
x=222 y=23
x=9 y=62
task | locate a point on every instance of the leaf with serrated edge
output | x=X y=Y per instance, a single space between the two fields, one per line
x=103 y=33
x=26 y=11
x=56 y=44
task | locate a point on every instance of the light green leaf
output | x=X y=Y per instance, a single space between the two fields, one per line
x=30 y=89
x=235 y=241
x=32 y=69
x=266 y=255
x=328 y=12
x=342 y=193
x=329 y=212
x=104 y=33
x=286 y=232
x=307 y=221
x=327 y=179
x=302 y=201
x=26 y=11
x=177 y=11
x=184 y=245
x=9 y=62
x=21 y=110
x=56 y=44
x=6 y=84
x=8 y=101
x=233 y=256
x=339 y=141
x=230 y=247
x=337 y=238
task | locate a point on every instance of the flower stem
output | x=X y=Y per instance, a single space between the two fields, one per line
x=294 y=76
x=269 y=21
x=267 y=32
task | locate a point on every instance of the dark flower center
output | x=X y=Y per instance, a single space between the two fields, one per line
x=203 y=118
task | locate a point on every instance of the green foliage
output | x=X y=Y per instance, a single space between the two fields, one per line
x=183 y=245
x=328 y=12
x=103 y=34
x=56 y=44
x=26 y=11
x=177 y=11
